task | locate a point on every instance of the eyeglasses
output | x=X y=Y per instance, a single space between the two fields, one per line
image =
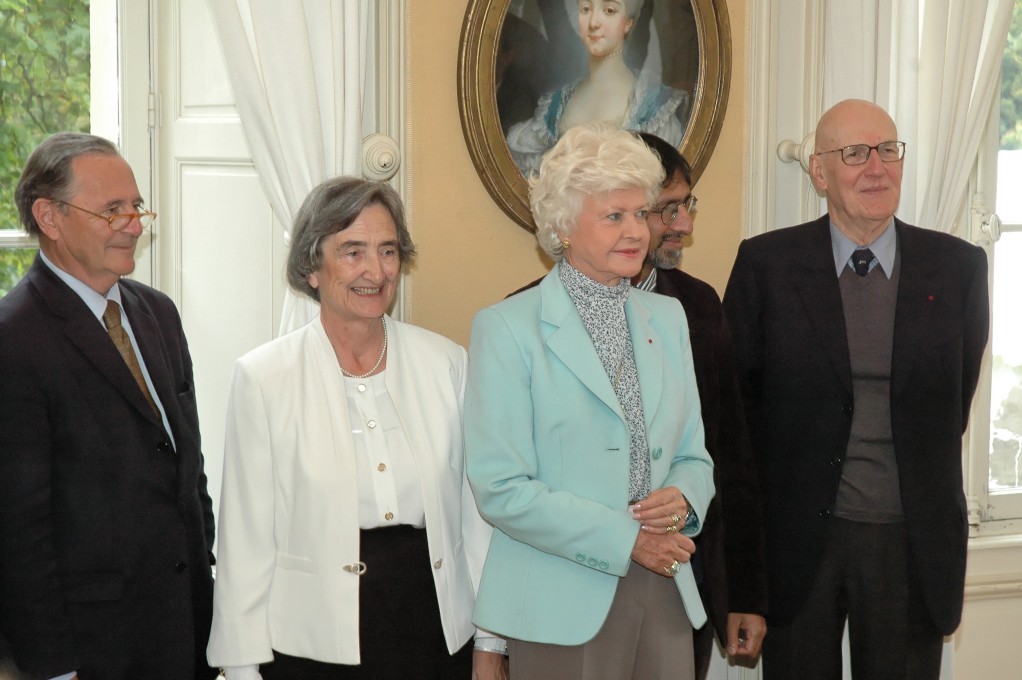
x=858 y=154
x=669 y=212
x=120 y=221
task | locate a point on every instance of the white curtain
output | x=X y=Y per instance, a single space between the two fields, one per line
x=934 y=65
x=961 y=43
x=298 y=69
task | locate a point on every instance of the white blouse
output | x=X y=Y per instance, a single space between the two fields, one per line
x=388 y=478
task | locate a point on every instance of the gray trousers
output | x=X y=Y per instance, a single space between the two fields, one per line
x=646 y=636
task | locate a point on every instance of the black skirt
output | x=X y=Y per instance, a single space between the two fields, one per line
x=400 y=634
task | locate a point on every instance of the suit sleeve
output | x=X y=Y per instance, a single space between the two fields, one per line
x=32 y=608
x=743 y=310
x=240 y=632
x=503 y=462
x=977 y=330
x=739 y=493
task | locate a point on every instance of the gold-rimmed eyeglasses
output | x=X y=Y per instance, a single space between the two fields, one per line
x=669 y=212
x=858 y=154
x=118 y=222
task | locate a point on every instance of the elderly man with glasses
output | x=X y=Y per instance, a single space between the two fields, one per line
x=105 y=523
x=858 y=340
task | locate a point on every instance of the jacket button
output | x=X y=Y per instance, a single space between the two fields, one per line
x=580 y=557
x=846 y=408
x=657 y=452
x=837 y=461
x=439 y=563
x=604 y=564
x=824 y=513
x=163 y=447
x=593 y=562
x=180 y=567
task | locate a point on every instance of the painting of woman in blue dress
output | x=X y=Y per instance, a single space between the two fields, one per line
x=609 y=66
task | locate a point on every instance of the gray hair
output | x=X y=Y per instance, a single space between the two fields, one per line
x=632 y=7
x=332 y=207
x=48 y=173
x=591 y=158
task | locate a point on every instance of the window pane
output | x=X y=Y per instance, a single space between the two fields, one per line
x=1006 y=331
x=13 y=263
x=44 y=88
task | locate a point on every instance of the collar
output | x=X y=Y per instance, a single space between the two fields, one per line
x=884 y=248
x=93 y=300
x=648 y=284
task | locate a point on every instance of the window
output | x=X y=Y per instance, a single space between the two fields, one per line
x=998 y=405
x=58 y=71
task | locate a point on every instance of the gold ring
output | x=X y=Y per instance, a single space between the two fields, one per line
x=671 y=529
x=674 y=568
x=675 y=519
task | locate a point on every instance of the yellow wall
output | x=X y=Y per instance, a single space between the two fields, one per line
x=470 y=253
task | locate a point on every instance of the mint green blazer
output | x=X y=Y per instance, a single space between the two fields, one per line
x=547 y=450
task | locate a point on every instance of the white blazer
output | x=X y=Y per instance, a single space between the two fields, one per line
x=289 y=519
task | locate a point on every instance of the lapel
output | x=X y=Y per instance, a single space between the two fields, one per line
x=919 y=283
x=568 y=340
x=154 y=352
x=820 y=294
x=410 y=387
x=85 y=332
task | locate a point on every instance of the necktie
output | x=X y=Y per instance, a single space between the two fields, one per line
x=112 y=320
x=861 y=260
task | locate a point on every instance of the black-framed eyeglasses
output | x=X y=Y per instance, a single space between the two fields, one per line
x=858 y=154
x=669 y=212
x=120 y=221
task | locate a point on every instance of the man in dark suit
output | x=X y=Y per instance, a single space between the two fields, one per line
x=729 y=560
x=858 y=340
x=105 y=524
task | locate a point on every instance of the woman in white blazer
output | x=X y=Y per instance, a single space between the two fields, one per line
x=584 y=439
x=350 y=545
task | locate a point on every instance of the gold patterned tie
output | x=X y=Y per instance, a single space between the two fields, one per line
x=112 y=320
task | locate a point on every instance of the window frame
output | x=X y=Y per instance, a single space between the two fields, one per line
x=990 y=513
x=132 y=118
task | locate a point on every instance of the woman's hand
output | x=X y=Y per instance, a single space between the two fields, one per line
x=662 y=512
x=489 y=666
x=659 y=551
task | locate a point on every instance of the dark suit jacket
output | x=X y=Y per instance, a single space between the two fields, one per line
x=784 y=308
x=729 y=561
x=105 y=527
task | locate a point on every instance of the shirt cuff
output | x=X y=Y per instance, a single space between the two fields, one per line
x=491 y=644
x=242 y=673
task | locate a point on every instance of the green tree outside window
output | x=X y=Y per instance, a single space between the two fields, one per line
x=44 y=88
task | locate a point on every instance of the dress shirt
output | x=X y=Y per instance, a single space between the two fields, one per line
x=883 y=247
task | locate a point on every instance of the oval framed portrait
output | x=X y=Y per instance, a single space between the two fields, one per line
x=530 y=69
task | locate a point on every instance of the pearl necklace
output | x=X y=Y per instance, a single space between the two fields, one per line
x=383 y=353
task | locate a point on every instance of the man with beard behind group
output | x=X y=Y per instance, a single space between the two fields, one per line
x=729 y=558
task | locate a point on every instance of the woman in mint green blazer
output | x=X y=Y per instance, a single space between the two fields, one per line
x=583 y=438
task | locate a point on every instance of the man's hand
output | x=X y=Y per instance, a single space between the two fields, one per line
x=745 y=634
